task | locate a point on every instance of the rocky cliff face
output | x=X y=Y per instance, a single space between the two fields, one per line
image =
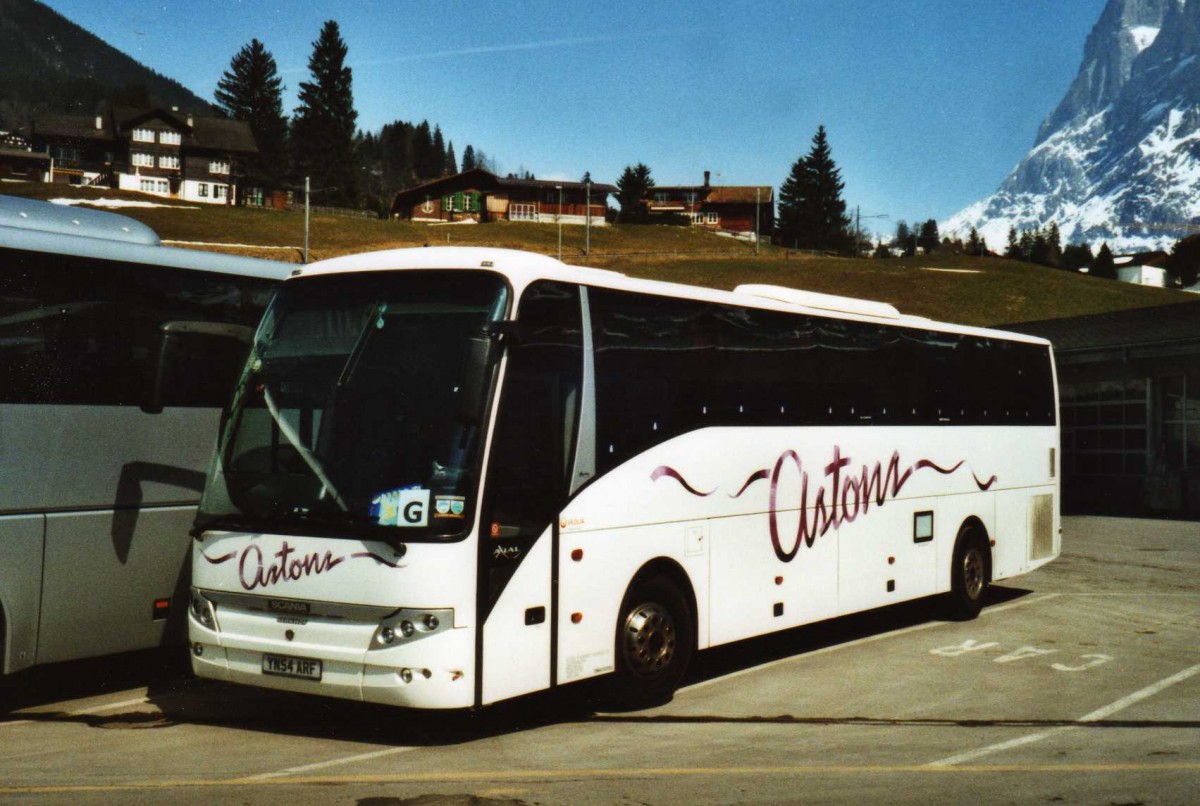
x=1119 y=159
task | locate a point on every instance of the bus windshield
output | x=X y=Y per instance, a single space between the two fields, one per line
x=354 y=413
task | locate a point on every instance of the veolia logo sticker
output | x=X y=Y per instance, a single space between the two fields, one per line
x=449 y=506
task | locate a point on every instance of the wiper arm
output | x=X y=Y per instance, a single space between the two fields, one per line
x=374 y=322
x=313 y=463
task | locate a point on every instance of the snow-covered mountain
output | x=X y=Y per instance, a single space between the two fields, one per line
x=1119 y=159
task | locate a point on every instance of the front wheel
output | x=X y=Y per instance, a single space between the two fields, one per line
x=968 y=577
x=655 y=640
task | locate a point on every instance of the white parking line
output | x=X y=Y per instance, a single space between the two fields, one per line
x=320 y=765
x=1095 y=716
x=859 y=642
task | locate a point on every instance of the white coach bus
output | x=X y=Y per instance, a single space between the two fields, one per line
x=116 y=356
x=453 y=476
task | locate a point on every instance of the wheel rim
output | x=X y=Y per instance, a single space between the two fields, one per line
x=973 y=576
x=649 y=640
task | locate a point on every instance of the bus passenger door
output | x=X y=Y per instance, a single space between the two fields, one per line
x=528 y=481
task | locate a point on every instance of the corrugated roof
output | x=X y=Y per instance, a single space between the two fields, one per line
x=1160 y=324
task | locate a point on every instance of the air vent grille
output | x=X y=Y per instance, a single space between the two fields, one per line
x=1041 y=527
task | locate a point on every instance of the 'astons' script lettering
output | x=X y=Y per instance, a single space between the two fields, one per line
x=840 y=498
x=285 y=565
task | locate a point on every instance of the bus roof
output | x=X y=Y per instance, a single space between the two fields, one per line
x=523 y=268
x=38 y=226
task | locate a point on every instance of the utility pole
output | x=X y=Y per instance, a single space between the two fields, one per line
x=307 y=190
x=559 y=217
x=757 y=223
x=587 y=241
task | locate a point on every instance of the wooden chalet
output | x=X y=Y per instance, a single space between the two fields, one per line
x=480 y=195
x=726 y=208
x=163 y=152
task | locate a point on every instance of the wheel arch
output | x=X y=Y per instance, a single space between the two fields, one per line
x=974 y=528
x=672 y=570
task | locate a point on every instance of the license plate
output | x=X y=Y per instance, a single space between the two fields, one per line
x=287 y=666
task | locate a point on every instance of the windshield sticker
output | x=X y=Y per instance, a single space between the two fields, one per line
x=449 y=506
x=406 y=506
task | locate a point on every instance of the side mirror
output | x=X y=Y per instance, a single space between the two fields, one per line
x=166 y=345
x=483 y=352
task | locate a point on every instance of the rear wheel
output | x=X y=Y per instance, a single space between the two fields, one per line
x=655 y=640
x=968 y=576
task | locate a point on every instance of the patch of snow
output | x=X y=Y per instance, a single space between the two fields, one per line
x=1143 y=36
x=119 y=203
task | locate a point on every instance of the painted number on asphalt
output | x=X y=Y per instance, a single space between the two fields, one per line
x=1081 y=664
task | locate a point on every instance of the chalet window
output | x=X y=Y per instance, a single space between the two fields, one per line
x=713 y=218
x=170 y=138
x=143 y=135
x=220 y=191
x=218 y=167
x=202 y=190
x=662 y=196
x=166 y=161
x=142 y=159
x=159 y=186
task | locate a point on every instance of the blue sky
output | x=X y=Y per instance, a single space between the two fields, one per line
x=928 y=103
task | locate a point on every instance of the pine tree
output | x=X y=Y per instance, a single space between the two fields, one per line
x=451 y=160
x=1013 y=250
x=795 y=194
x=1104 y=266
x=633 y=186
x=438 y=155
x=902 y=235
x=1076 y=256
x=973 y=243
x=323 y=127
x=1184 y=263
x=468 y=160
x=812 y=214
x=929 y=236
x=1054 y=245
x=251 y=90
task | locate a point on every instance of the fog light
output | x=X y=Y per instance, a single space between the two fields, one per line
x=426 y=674
x=406 y=675
x=407 y=628
x=431 y=621
x=387 y=635
x=206 y=617
x=197 y=649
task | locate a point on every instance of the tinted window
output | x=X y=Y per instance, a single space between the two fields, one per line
x=81 y=331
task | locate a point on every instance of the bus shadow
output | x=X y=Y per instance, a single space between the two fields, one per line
x=152 y=669
x=740 y=655
x=176 y=698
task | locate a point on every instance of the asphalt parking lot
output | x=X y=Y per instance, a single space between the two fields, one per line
x=1079 y=683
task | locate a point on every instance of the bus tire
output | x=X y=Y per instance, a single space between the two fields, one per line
x=969 y=575
x=655 y=641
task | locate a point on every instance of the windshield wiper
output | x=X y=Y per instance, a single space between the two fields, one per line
x=374 y=322
x=314 y=464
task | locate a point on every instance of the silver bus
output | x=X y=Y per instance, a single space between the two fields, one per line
x=116 y=355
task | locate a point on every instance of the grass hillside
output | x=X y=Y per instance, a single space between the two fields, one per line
x=968 y=290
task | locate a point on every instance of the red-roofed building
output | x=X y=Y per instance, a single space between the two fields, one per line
x=734 y=209
x=480 y=195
